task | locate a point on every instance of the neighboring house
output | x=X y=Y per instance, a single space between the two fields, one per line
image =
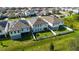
x=66 y=9
x=3 y=29
x=30 y=13
x=53 y=21
x=38 y=24
x=26 y=27
x=43 y=12
x=76 y=11
x=65 y=13
x=16 y=29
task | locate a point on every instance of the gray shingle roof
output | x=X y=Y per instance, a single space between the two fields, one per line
x=18 y=25
x=37 y=20
x=3 y=24
x=32 y=21
x=25 y=22
x=51 y=19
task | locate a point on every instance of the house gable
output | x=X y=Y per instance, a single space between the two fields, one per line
x=38 y=21
x=38 y=24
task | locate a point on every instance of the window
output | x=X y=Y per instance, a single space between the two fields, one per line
x=35 y=25
x=18 y=31
x=39 y=29
x=11 y=32
x=36 y=30
x=22 y=29
x=14 y=31
x=0 y=30
x=27 y=28
x=38 y=25
x=53 y=24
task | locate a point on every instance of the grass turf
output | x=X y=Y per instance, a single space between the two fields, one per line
x=60 y=43
x=66 y=42
x=43 y=34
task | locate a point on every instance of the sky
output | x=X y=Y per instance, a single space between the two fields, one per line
x=39 y=3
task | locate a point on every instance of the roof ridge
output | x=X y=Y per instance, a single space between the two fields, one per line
x=38 y=18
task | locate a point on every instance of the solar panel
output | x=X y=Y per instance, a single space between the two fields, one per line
x=24 y=21
x=3 y=23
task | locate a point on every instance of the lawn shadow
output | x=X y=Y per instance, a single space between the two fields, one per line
x=4 y=39
x=25 y=37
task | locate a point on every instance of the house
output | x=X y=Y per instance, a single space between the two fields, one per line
x=17 y=28
x=38 y=24
x=66 y=8
x=3 y=29
x=53 y=21
x=76 y=11
x=30 y=13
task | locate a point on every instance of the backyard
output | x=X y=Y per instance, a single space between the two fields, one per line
x=43 y=34
x=64 y=42
x=61 y=30
x=14 y=19
x=68 y=42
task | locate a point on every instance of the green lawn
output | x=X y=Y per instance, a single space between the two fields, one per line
x=58 y=31
x=63 y=42
x=27 y=18
x=13 y=19
x=43 y=34
x=72 y=21
x=68 y=42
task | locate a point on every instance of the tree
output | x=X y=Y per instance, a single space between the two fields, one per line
x=71 y=26
x=70 y=12
x=51 y=47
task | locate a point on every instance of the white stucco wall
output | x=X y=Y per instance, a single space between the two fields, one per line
x=26 y=30
x=2 y=32
x=58 y=24
x=13 y=34
x=6 y=28
x=40 y=28
x=20 y=31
